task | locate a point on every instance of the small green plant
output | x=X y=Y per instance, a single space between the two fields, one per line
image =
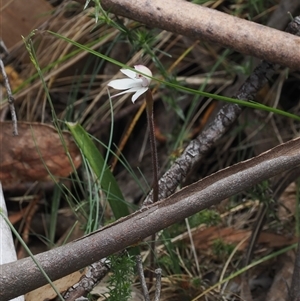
x=207 y=217
x=196 y=282
x=221 y=249
x=168 y=263
x=122 y=277
x=264 y=193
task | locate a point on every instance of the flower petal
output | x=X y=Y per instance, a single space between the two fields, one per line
x=136 y=82
x=138 y=93
x=145 y=70
x=127 y=91
x=129 y=73
x=125 y=83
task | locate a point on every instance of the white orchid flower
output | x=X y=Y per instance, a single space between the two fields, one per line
x=136 y=82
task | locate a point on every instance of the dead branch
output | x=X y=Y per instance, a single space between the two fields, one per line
x=10 y=99
x=157 y=284
x=95 y=273
x=198 y=22
x=21 y=276
x=140 y=270
x=224 y=119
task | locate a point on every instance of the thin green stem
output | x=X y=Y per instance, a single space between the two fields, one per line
x=149 y=108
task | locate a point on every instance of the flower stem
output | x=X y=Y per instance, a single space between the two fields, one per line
x=149 y=108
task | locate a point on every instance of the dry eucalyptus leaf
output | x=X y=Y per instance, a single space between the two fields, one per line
x=36 y=153
x=46 y=292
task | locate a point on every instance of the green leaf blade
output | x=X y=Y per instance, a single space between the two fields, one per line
x=101 y=170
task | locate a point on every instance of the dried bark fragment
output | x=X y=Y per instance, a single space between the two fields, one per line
x=95 y=273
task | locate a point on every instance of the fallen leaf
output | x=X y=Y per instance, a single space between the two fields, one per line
x=204 y=239
x=35 y=154
x=13 y=76
x=288 y=203
x=282 y=281
x=46 y=292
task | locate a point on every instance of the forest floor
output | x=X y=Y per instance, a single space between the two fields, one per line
x=208 y=256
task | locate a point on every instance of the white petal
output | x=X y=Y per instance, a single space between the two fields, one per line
x=125 y=83
x=138 y=94
x=127 y=91
x=143 y=69
x=129 y=73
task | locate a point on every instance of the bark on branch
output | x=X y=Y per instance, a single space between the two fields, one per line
x=200 y=22
x=227 y=115
x=21 y=276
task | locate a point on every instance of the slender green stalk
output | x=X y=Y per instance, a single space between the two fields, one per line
x=149 y=108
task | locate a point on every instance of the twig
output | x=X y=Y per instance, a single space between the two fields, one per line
x=198 y=22
x=143 y=281
x=157 y=285
x=3 y=50
x=150 y=118
x=132 y=229
x=282 y=15
x=139 y=265
x=95 y=273
x=10 y=99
